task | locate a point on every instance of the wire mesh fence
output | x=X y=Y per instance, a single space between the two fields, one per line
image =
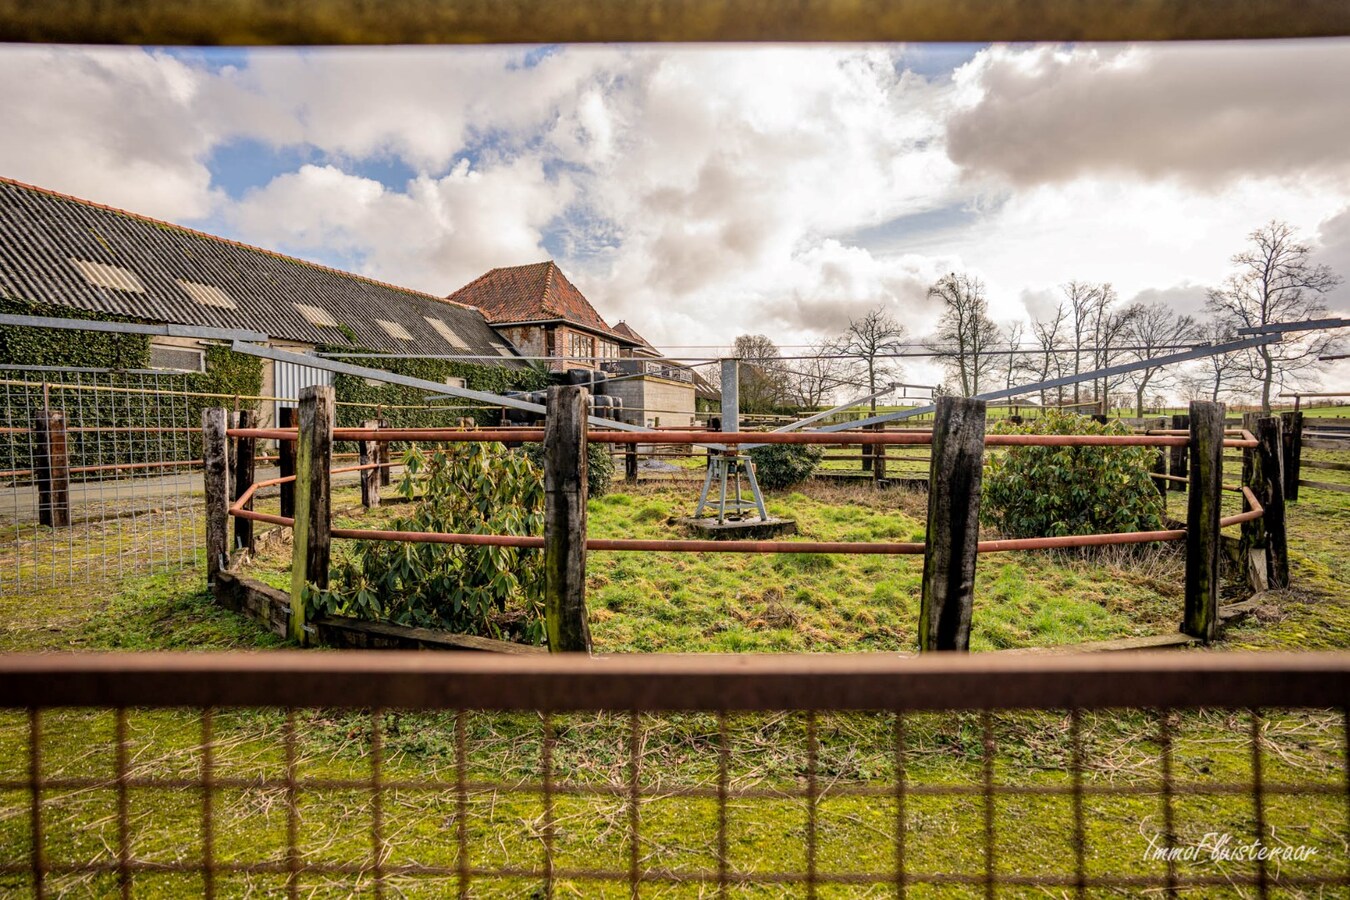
x=665 y=776
x=99 y=474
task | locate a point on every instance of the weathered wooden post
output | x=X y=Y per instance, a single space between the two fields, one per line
x=386 y=470
x=313 y=460
x=1271 y=455
x=51 y=467
x=370 y=478
x=878 y=458
x=1253 y=477
x=1201 y=618
x=1179 y=454
x=216 y=477
x=286 y=462
x=630 y=463
x=955 y=475
x=1160 y=468
x=1293 y=453
x=243 y=471
x=565 y=475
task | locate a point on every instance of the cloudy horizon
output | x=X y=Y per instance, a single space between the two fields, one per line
x=704 y=192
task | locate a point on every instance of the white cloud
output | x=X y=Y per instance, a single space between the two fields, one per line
x=113 y=125
x=1201 y=113
x=704 y=192
x=436 y=236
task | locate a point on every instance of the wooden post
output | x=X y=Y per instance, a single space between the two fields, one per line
x=1253 y=532
x=1201 y=618
x=286 y=462
x=630 y=463
x=313 y=460
x=51 y=467
x=216 y=474
x=1179 y=454
x=955 y=475
x=565 y=520
x=1293 y=453
x=370 y=478
x=878 y=458
x=244 y=463
x=1271 y=454
x=386 y=471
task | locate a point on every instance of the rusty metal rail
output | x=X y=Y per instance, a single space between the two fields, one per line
x=840 y=438
x=906 y=548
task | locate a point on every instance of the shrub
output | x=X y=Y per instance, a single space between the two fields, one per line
x=599 y=466
x=780 y=466
x=1052 y=491
x=474 y=488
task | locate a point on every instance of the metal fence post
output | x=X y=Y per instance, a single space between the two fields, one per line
x=1203 y=503
x=955 y=475
x=216 y=475
x=1269 y=432
x=370 y=478
x=286 y=462
x=565 y=520
x=313 y=460
x=244 y=463
x=52 y=468
x=1293 y=453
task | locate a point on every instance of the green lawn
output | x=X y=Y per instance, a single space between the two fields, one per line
x=677 y=603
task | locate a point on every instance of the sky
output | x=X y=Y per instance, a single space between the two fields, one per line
x=704 y=192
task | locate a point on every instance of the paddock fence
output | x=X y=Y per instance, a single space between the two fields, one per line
x=413 y=774
x=950 y=549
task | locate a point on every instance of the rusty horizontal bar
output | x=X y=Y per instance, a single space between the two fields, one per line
x=203 y=22
x=636 y=544
x=144 y=465
x=1065 y=542
x=416 y=680
x=1256 y=510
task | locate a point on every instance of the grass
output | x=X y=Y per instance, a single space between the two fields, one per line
x=701 y=603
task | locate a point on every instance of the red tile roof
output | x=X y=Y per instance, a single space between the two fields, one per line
x=539 y=291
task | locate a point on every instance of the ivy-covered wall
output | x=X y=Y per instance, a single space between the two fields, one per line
x=86 y=349
x=400 y=405
x=154 y=402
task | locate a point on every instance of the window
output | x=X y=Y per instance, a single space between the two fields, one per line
x=609 y=350
x=580 y=346
x=179 y=359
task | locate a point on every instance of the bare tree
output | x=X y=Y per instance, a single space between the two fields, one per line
x=814 y=380
x=1050 y=363
x=1215 y=377
x=1149 y=329
x=1015 y=365
x=874 y=340
x=763 y=383
x=1276 y=281
x=966 y=335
